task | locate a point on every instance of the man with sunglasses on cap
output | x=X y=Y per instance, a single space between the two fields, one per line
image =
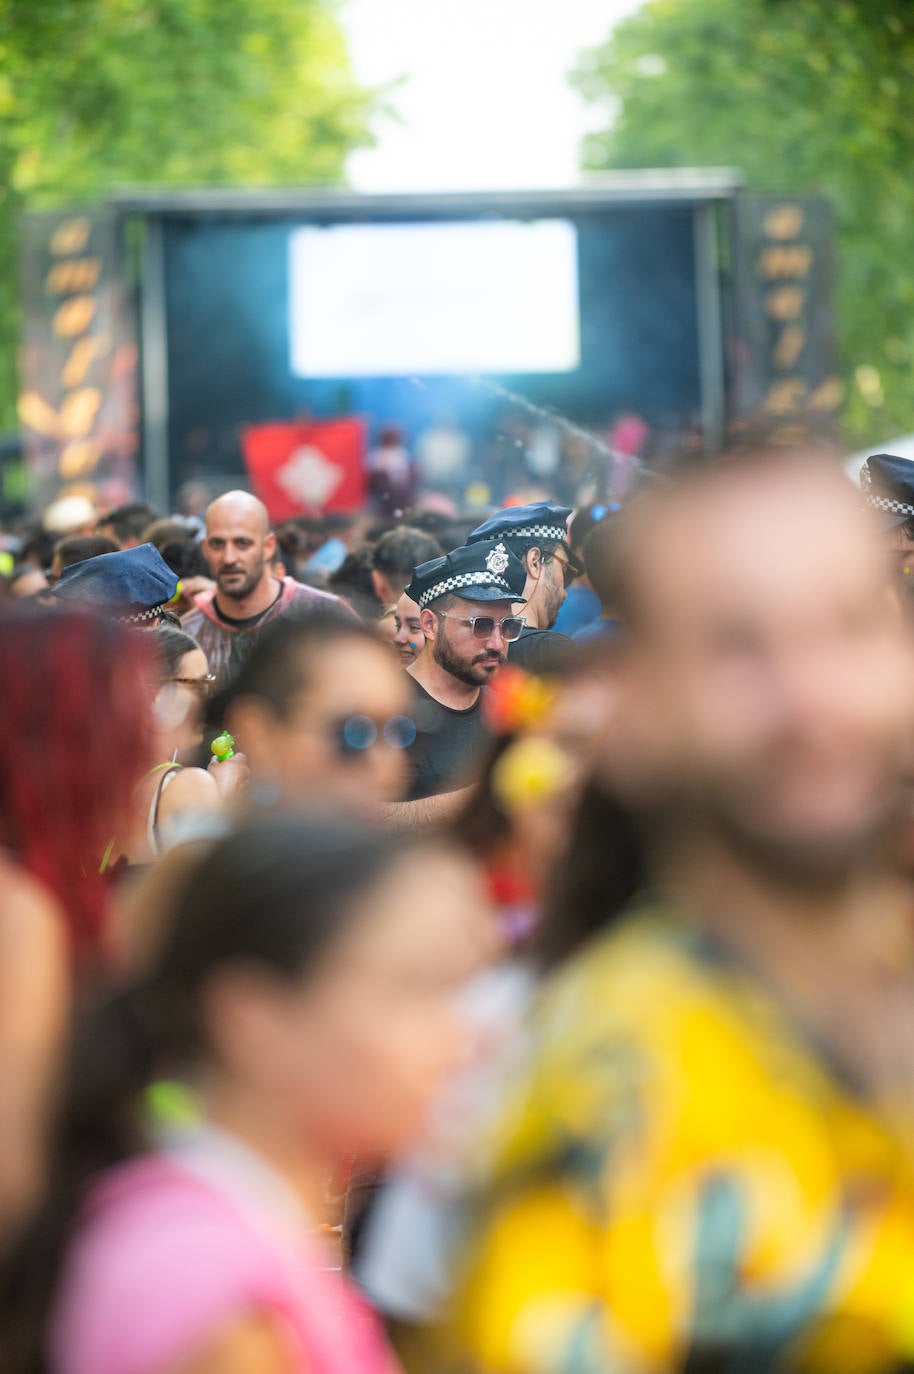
x=537 y=534
x=466 y=606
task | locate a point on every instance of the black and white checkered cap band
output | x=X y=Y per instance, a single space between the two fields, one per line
x=469 y=579
x=140 y=617
x=530 y=533
x=889 y=506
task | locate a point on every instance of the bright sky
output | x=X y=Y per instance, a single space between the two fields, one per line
x=484 y=100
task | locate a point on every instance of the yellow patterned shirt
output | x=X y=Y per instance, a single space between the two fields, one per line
x=682 y=1181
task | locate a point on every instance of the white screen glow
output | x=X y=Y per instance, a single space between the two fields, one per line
x=393 y=300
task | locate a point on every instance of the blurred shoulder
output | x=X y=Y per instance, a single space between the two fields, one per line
x=192 y=621
x=301 y=596
x=190 y=788
x=637 y=1014
x=644 y=961
x=31 y=920
x=541 y=651
x=653 y=1000
x=158 y=1264
x=251 y=1344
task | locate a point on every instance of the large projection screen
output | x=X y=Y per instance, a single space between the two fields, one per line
x=606 y=326
x=392 y=300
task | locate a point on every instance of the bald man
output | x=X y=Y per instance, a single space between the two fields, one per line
x=239 y=547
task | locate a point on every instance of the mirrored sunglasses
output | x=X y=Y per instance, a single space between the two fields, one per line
x=354 y=735
x=483 y=626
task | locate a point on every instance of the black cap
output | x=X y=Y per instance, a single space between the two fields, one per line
x=134 y=584
x=477 y=572
x=887 y=482
x=526 y=526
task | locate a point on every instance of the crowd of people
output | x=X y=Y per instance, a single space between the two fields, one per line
x=462 y=946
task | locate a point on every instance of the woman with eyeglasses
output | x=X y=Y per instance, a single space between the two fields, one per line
x=176 y=801
x=321 y=709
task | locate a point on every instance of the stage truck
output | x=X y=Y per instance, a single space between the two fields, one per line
x=217 y=336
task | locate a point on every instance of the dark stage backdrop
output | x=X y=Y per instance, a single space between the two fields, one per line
x=227 y=312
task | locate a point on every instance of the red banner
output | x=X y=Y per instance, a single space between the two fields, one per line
x=299 y=467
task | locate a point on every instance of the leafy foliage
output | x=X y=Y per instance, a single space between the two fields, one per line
x=803 y=95
x=96 y=94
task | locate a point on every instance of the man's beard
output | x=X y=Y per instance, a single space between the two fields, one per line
x=474 y=674
x=556 y=601
x=555 y=598
x=801 y=862
x=798 y=861
x=238 y=590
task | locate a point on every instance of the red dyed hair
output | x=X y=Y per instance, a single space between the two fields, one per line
x=75 y=727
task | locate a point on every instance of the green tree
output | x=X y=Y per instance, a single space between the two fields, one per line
x=802 y=95
x=96 y=94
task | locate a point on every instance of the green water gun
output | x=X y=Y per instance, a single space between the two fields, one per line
x=223 y=747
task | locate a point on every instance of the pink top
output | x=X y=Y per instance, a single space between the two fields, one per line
x=175 y=1245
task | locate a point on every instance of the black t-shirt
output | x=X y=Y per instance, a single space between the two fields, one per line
x=247 y=622
x=540 y=651
x=446 y=746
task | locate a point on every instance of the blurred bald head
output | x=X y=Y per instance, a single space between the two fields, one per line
x=766 y=674
x=769 y=523
x=238 y=506
x=239 y=546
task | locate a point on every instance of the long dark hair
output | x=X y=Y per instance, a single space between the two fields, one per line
x=600 y=873
x=481 y=824
x=170 y=645
x=276 y=894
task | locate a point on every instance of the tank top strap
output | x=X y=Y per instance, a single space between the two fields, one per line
x=167 y=772
x=165 y=769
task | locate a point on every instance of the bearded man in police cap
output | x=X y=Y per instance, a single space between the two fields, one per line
x=466 y=603
x=537 y=534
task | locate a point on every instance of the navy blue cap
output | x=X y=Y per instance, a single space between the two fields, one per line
x=887 y=482
x=477 y=572
x=135 y=584
x=527 y=526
